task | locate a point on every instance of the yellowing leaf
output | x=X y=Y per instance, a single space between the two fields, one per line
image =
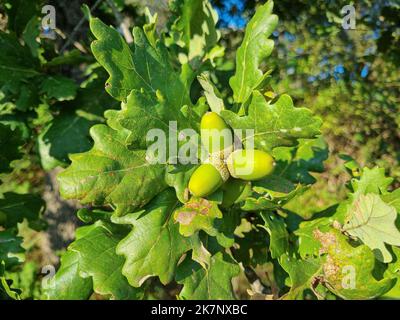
x=197 y=214
x=348 y=270
x=373 y=222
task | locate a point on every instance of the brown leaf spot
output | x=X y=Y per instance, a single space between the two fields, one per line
x=185 y=217
x=326 y=239
x=206 y=203
x=193 y=205
x=331 y=269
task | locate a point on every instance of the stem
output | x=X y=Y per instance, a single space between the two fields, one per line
x=124 y=28
x=77 y=27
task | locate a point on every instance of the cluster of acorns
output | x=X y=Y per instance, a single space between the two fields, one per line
x=242 y=165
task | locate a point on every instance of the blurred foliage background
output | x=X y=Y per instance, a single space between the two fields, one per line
x=350 y=78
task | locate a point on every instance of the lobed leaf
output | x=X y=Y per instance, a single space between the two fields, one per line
x=372 y=221
x=255 y=48
x=348 y=270
x=17 y=207
x=98 y=260
x=111 y=173
x=302 y=275
x=67 y=283
x=275 y=125
x=145 y=68
x=154 y=246
x=278 y=235
x=213 y=283
x=10 y=142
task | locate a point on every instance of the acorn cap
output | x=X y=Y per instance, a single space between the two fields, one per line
x=217 y=160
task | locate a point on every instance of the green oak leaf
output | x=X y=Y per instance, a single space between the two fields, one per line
x=393 y=271
x=392 y=199
x=10 y=142
x=150 y=27
x=154 y=246
x=19 y=14
x=213 y=96
x=17 y=207
x=68 y=132
x=67 y=283
x=302 y=274
x=371 y=181
x=101 y=240
x=270 y=193
x=30 y=34
x=178 y=176
x=25 y=279
x=348 y=270
x=213 y=283
x=145 y=68
x=196 y=23
x=16 y=62
x=278 y=235
x=308 y=245
x=372 y=221
x=200 y=254
x=144 y=112
x=197 y=214
x=10 y=248
x=250 y=248
x=111 y=173
x=59 y=88
x=296 y=163
x=255 y=48
x=275 y=125
x=6 y=290
x=227 y=226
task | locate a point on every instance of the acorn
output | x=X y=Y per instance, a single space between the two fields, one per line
x=207 y=178
x=250 y=164
x=215 y=133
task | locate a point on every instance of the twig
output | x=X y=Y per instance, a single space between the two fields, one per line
x=124 y=28
x=77 y=27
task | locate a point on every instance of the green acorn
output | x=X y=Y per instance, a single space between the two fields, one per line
x=215 y=133
x=250 y=164
x=207 y=178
